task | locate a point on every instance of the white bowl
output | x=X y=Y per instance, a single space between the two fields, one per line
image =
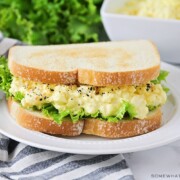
x=164 y=33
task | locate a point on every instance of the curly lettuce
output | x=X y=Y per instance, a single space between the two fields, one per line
x=50 y=111
x=162 y=77
x=18 y=96
x=52 y=22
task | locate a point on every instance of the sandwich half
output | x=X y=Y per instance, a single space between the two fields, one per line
x=108 y=89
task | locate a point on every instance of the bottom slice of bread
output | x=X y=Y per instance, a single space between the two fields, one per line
x=38 y=122
x=127 y=128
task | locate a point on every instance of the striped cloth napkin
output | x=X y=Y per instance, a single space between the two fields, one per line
x=20 y=161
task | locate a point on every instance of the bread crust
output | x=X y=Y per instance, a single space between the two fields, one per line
x=31 y=121
x=38 y=75
x=85 y=76
x=122 y=129
x=94 y=78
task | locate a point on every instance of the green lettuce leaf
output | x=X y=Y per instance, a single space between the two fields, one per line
x=162 y=77
x=50 y=111
x=111 y=119
x=18 y=96
x=78 y=115
x=121 y=111
x=127 y=110
x=95 y=115
x=166 y=89
x=151 y=108
x=131 y=110
x=5 y=76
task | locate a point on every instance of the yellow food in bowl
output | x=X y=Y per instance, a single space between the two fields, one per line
x=165 y=9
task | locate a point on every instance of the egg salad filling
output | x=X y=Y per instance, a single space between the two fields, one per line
x=110 y=103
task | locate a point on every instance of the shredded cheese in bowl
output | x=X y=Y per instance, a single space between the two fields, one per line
x=165 y=9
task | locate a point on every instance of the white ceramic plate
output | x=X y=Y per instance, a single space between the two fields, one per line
x=84 y=144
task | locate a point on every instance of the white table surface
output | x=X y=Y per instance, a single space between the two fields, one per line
x=161 y=163
x=156 y=164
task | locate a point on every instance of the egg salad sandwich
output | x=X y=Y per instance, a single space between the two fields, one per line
x=108 y=89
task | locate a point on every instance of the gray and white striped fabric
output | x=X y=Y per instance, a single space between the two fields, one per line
x=20 y=161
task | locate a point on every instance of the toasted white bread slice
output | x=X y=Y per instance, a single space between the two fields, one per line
x=127 y=128
x=123 y=129
x=98 y=64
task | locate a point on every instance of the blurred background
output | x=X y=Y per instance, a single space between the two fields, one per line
x=52 y=21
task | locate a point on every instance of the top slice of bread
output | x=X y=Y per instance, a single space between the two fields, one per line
x=98 y=64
